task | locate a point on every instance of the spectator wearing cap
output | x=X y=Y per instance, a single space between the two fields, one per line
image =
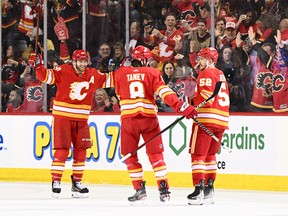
x=230 y=35
x=230 y=25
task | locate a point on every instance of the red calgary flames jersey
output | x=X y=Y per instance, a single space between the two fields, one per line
x=74 y=92
x=136 y=87
x=164 y=51
x=263 y=83
x=216 y=112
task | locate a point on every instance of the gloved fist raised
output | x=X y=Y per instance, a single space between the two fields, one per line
x=35 y=59
x=188 y=110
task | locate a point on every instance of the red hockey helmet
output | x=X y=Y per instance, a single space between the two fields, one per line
x=141 y=53
x=80 y=55
x=209 y=53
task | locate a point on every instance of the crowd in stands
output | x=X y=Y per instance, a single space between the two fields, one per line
x=251 y=37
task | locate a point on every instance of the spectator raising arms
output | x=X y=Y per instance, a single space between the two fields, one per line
x=165 y=42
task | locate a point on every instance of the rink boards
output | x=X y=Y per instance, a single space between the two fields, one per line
x=258 y=159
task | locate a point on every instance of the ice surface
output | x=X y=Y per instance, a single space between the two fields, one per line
x=17 y=199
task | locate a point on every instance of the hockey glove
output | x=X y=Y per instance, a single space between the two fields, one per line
x=35 y=59
x=188 y=110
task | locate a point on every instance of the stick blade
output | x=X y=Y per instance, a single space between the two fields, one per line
x=217 y=89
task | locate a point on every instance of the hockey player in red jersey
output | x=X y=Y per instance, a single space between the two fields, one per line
x=135 y=86
x=76 y=84
x=214 y=116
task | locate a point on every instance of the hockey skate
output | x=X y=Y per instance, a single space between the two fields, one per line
x=56 y=189
x=209 y=192
x=140 y=196
x=78 y=191
x=196 y=198
x=164 y=192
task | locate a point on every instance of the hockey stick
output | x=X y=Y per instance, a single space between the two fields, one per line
x=216 y=90
x=211 y=134
x=36 y=38
x=37 y=28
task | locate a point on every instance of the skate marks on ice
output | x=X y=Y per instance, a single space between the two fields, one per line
x=36 y=199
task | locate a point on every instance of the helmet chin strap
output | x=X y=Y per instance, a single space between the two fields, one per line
x=144 y=62
x=208 y=65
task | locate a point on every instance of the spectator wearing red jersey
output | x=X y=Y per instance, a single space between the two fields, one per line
x=166 y=42
x=10 y=10
x=264 y=64
x=15 y=101
x=230 y=35
x=33 y=91
x=13 y=60
x=187 y=13
x=246 y=19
